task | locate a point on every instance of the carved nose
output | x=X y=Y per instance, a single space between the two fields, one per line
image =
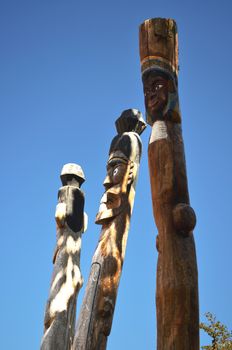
x=153 y=94
x=107 y=182
x=103 y=202
x=104 y=198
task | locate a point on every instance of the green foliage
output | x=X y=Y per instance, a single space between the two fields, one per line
x=221 y=336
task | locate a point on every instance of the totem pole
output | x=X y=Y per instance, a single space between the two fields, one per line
x=60 y=314
x=96 y=315
x=177 y=281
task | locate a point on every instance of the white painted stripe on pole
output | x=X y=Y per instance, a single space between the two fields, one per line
x=159 y=131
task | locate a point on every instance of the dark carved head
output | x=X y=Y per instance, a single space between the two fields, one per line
x=122 y=166
x=161 y=96
x=158 y=43
x=156 y=94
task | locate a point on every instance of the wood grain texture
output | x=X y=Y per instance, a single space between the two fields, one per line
x=96 y=315
x=60 y=313
x=177 y=277
x=177 y=282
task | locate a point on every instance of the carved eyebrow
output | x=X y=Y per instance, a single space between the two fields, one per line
x=116 y=161
x=156 y=81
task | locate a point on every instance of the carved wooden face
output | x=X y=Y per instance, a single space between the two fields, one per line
x=156 y=95
x=115 y=184
x=116 y=169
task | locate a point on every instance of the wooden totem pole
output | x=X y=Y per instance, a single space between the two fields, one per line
x=177 y=281
x=96 y=315
x=60 y=314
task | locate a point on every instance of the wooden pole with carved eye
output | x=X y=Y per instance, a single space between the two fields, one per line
x=60 y=314
x=177 y=280
x=96 y=315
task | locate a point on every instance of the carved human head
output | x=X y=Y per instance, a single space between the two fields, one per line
x=158 y=44
x=72 y=174
x=161 y=96
x=122 y=166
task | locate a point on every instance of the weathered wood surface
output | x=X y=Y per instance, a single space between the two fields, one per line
x=96 y=315
x=60 y=314
x=177 y=278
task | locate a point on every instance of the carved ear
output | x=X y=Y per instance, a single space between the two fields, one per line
x=60 y=214
x=131 y=173
x=85 y=222
x=171 y=86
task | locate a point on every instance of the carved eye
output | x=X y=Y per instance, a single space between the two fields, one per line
x=147 y=92
x=118 y=173
x=158 y=87
x=116 y=170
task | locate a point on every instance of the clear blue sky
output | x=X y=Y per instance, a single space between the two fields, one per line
x=67 y=70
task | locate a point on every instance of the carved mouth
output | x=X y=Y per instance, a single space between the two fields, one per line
x=109 y=200
x=102 y=207
x=107 y=215
x=110 y=206
x=153 y=103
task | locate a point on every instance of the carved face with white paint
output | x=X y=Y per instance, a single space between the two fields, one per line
x=156 y=95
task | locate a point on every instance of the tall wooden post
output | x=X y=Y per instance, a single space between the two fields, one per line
x=96 y=315
x=177 y=281
x=60 y=314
